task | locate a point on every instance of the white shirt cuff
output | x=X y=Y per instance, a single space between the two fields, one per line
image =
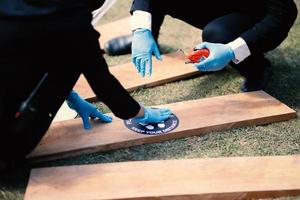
x=140 y=19
x=240 y=50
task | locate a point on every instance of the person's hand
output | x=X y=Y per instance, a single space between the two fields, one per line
x=219 y=56
x=152 y=115
x=85 y=110
x=143 y=46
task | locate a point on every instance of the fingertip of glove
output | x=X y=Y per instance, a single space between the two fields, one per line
x=87 y=128
x=108 y=119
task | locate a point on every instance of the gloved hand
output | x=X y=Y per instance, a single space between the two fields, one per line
x=220 y=55
x=143 y=46
x=152 y=115
x=85 y=110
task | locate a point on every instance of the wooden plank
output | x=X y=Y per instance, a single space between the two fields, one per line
x=113 y=29
x=196 y=117
x=212 y=178
x=172 y=68
x=64 y=113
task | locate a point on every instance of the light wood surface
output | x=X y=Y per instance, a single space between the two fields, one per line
x=212 y=178
x=113 y=29
x=172 y=68
x=67 y=138
x=64 y=113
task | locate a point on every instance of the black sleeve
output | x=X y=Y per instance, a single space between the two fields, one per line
x=273 y=28
x=94 y=4
x=109 y=90
x=143 y=5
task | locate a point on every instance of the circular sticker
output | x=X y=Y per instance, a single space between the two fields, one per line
x=153 y=128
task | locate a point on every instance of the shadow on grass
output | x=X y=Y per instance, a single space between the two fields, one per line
x=285 y=84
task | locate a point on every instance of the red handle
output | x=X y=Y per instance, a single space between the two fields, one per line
x=194 y=56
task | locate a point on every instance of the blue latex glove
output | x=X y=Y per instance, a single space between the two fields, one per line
x=85 y=110
x=143 y=46
x=219 y=56
x=152 y=115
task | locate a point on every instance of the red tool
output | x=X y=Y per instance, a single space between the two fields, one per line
x=195 y=56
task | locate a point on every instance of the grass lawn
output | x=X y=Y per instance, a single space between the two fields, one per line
x=274 y=139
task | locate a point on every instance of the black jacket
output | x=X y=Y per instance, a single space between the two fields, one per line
x=32 y=8
x=266 y=34
x=67 y=38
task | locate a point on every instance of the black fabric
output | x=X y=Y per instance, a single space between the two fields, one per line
x=107 y=88
x=38 y=8
x=263 y=24
x=273 y=28
x=64 y=47
x=144 y=5
x=273 y=18
x=226 y=29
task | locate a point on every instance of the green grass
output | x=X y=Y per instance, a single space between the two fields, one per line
x=275 y=139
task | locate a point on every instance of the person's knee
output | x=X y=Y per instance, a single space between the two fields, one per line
x=216 y=34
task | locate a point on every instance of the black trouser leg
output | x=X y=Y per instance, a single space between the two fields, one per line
x=221 y=25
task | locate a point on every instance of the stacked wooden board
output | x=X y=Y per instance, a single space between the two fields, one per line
x=67 y=138
x=172 y=67
x=221 y=178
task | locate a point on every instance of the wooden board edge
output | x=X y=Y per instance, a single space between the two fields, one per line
x=195 y=74
x=226 y=196
x=162 y=138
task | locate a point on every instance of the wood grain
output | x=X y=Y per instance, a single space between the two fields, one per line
x=191 y=179
x=67 y=138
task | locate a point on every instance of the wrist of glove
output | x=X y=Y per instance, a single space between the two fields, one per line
x=152 y=115
x=220 y=55
x=85 y=110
